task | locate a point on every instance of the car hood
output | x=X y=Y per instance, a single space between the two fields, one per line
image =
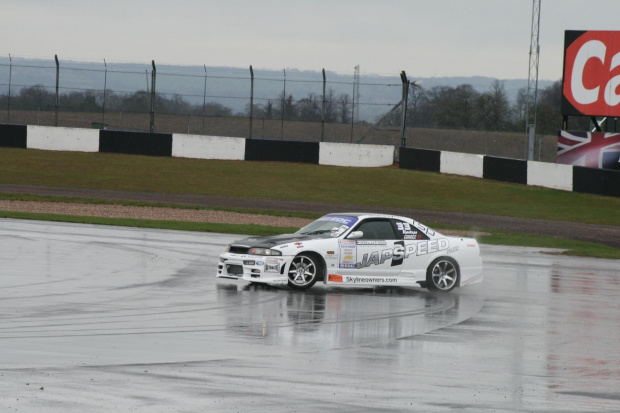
x=275 y=240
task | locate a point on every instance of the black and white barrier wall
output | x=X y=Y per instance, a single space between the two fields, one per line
x=556 y=176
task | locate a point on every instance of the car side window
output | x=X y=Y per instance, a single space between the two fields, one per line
x=405 y=230
x=377 y=229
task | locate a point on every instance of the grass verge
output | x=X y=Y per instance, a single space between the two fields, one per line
x=382 y=187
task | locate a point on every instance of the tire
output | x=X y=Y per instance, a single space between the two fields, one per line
x=442 y=274
x=304 y=272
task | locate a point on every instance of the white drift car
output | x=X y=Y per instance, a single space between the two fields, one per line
x=356 y=248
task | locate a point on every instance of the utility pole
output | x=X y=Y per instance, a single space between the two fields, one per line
x=532 y=83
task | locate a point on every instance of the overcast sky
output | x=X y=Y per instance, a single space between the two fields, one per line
x=426 y=38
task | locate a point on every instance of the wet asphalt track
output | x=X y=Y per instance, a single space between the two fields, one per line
x=98 y=319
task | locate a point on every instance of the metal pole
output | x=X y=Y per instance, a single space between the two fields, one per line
x=57 y=85
x=204 y=102
x=105 y=83
x=323 y=110
x=283 y=99
x=251 y=99
x=8 y=106
x=403 y=138
x=153 y=78
x=532 y=85
x=353 y=111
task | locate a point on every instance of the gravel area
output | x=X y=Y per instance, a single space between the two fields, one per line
x=155 y=213
x=168 y=214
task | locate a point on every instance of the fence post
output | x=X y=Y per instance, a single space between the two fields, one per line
x=353 y=111
x=283 y=100
x=403 y=78
x=204 y=102
x=105 y=83
x=251 y=98
x=323 y=110
x=153 y=77
x=8 y=106
x=57 y=84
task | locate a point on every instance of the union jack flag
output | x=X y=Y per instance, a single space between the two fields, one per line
x=590 y=149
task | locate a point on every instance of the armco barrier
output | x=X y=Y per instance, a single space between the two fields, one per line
x=596 y=181
x=13 y=136
x=504 y=169
x=550 y=175
x=348 y=154
x=135 y=143
x=462 y=164
x=420 y=159
x=208 y=147
x=63 y=139
x=283 y=151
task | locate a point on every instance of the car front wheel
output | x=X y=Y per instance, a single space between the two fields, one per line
x=303 y=272
x=442 y=274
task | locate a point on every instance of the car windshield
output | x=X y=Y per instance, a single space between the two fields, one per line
x=328 y=226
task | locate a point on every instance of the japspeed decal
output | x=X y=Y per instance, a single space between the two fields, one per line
x=401 y=252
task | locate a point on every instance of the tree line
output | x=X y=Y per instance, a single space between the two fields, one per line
x=464 y=108
x=442 y=107
x=38 y=97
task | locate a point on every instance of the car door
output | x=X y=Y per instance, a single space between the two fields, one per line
x=378 y=252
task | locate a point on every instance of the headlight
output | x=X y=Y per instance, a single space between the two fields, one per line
x=227 y=248
x=263 y=251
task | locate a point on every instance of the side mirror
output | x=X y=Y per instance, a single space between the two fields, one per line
x=355 y=235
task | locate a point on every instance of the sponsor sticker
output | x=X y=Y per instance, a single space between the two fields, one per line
x=370 y=280
x=348 y=253
x=334 y=278
x=340 y=219
x=371 y=242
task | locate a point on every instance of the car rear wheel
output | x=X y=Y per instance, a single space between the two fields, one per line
x=304 y=271
x=442 y=274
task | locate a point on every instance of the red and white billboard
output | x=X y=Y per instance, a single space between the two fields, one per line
x=591 y=85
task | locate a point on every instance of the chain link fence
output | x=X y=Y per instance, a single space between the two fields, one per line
x=226 y=102
x=258 y=104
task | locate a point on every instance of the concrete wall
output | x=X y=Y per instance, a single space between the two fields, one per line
x=13 y=136
x=462 y=164
x=63 y=139
x=420 y=159
x=208 y=147
x=347 y=154
x=505 y=170
x=550 y=175
x=281 y=151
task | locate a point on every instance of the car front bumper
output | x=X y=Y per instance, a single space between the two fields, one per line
x=254 y=268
